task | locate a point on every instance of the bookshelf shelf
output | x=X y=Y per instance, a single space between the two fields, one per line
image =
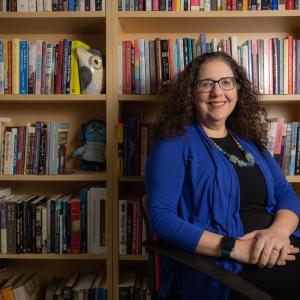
x=280 y=99
x=52 y=22
x=134 y=257
x=293 y=179
x=56 y=99
x=53 y=256
x=214 y=21
x=74 y=175
x=131 y=179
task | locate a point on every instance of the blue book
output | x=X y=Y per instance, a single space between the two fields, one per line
x=23 y=67
x=203 y=42
x=175 y=61
x=274 y=5
x=1 y=68
x=190 y=50
x=65 y=59
x=293 y=148
x=71 y=5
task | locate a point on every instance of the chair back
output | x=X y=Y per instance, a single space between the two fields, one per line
x=154 y=257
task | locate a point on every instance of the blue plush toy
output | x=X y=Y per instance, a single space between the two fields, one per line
x=93 y=141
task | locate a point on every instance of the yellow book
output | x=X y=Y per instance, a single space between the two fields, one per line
x=75 y=79
x=15 y=66
x=178 y=4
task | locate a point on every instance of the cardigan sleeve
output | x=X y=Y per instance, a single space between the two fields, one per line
x=284 y=194
x=165 y=175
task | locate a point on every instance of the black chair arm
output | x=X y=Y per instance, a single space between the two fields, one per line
x=208 y=267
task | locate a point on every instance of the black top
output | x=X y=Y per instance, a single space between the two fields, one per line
x=253 y=192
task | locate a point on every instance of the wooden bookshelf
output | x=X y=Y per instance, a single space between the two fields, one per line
x=52 y=22
x=55 y=99
x=72 y=175
x=282 y=99
x=93 y=28
x=131 y=25
x=134 y=257
x=53 y=256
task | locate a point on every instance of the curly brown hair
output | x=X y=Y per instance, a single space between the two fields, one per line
x=179 y=111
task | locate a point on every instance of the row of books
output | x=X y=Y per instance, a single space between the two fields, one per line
x=51 y=5
x=134 y=139
x=284 y=144
x=39 y=67
x=206 y=5
x=59 y=224
x=20 y=286
x=132 y=228
x=133 y=285
x=35 y=148
x=78 y=286
x=272 y=65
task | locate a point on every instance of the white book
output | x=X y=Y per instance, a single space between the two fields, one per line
x=92 y=5
x=47 y=5
x=123 y=5
x=147 y=67
x=234 y=46
x=81 y=5
x=32 y=5
x=175 y=61
x=266 y=67
x=48 y=71
x=131 y=5
x=3 y=5
x=22 y=6
x=148 y=5
x=14 y=147
x=39 y=5
x=103 y=5
x=270 y=67
x=39 y=60
x=181 y=59
x=122 y=227
x=206 y=5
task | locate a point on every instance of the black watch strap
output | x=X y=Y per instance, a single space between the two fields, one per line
x=227 y=245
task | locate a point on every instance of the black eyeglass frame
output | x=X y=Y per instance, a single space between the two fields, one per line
x=235 y=83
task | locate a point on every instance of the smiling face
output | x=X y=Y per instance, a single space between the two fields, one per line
x=214 y=107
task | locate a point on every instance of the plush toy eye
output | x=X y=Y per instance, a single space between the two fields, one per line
x=96 y=62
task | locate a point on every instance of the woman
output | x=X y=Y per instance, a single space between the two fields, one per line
x=215 y=190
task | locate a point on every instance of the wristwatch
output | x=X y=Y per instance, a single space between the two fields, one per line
x=227 y=245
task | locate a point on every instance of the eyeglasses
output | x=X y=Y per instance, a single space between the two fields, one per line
x=206 y=85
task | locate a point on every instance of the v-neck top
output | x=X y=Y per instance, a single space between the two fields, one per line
x=253 y=191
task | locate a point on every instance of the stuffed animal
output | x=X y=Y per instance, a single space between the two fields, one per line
x=93 y=141
x=91 y=70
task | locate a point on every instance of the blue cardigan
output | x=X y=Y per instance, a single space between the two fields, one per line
x=192 y=187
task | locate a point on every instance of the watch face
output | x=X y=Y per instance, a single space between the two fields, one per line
x=227 y=245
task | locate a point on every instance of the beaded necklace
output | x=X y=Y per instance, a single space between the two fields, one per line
x=250 y=160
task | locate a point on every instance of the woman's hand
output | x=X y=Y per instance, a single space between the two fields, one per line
x=271 y=247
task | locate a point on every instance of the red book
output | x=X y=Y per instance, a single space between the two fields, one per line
x=127 y=79
x=9 y=69
x=75 y=225
x=289 y=4
x=171 y=63
x=59 y=67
